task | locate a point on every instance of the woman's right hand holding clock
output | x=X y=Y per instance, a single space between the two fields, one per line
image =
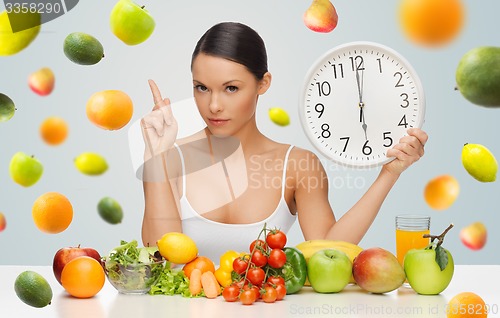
x=159 y=127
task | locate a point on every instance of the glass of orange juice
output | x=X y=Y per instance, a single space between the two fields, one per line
x=410 y=229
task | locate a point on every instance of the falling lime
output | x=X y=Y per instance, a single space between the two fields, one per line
x=110 y=210
x=82 y=48
x=7 y=108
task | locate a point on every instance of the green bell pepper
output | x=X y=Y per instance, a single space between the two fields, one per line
x=295 y=270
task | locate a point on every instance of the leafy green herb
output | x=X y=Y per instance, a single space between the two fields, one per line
x=172 y=282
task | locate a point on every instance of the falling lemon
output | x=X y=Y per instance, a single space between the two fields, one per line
x=479 y=162
x=91 y=163
x=177 y=247
x=14 y=42
x=279 y=116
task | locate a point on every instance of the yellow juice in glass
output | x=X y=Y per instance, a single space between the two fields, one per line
x=406 y=240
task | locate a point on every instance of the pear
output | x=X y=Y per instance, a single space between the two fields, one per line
x=479 y=162
x=478 y=76
x=321 y=16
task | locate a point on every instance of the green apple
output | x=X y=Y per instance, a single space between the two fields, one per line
x=131 y=23
x=424 y=273
x=430 y=270
x=329 y=270
x=7 y=108
x=25 y=170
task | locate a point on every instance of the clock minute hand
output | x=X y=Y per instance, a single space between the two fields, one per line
x=361 y=103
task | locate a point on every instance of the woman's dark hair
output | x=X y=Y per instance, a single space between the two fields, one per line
x=236 y=42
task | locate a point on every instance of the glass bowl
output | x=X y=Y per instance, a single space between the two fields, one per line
x=134 y=278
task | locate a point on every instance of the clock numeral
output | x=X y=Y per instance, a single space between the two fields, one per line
x=325 y=131
x=357 y=63
x=399 y=84
x=405 y=100
x=319 y=108
x=379 y=65
x=340 y=72
x=388 y=139
x=367 y=150
x=403 y=122
x=346 y=142
x=324 y=88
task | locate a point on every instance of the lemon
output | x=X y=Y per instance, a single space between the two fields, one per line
x=33 y=289
x=177 y=247
x=91 y=163
x=479 y=162
x=82 y=48
x=110 y=210
x=12 y=43
x=279 y=116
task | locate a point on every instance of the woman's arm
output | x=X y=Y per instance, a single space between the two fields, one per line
x=161 y=209
x=316 y=217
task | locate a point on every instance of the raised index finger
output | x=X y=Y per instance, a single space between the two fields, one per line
x=156 y=92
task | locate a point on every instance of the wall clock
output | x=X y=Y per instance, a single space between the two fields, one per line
x=358 y=99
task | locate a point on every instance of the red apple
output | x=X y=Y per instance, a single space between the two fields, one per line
x=3 y=223
x=42 y=81
x=377 y=271
x=474 y=236
x=66 y=254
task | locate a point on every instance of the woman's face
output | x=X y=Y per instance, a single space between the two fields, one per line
x=226 y=93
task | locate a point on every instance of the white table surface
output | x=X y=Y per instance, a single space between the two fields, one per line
x=483 y=280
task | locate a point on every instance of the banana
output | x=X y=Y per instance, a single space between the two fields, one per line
x=308 y=248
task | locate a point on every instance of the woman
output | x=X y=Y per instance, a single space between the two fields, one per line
x=220 y=185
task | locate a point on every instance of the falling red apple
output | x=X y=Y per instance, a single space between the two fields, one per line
x=42 y=81
x=66 y=254
x=474 y=236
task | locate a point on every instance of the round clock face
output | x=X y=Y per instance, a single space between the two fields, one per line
x=358 y=100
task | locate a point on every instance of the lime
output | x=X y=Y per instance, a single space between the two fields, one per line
x=82 y=48
x=479 y=162
x=110 y=210
x=91 y=163
x=7 y=108
x=12 y=43
x=279 y=116
x=33 y=289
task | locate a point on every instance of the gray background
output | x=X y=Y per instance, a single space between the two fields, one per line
x=451 y=121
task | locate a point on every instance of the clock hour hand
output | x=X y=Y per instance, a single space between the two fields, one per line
x=361 y=104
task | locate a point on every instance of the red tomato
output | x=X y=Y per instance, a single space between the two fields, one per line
x=270 y=294
x=277 y=258
x=259 y=259
x=256 y=276
x=231 y=293
x=276 y=239
x=240 y=265
x=281 y=290
x=253 y=288
x=276 y=280
x=259 y=243
x=247 y=297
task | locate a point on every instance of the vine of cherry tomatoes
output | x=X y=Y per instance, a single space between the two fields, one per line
x=256 y=275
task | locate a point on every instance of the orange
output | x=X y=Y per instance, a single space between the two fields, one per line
x=82 y=277
x=203 y=263
x=431 y=22
x=52 y=212
x=54 y=130
x=441 y=192
x=466 y=304
x=110 y=109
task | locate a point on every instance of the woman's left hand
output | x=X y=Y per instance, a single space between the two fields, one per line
x=409 y=150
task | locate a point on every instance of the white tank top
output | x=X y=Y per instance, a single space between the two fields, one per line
x=215 y=238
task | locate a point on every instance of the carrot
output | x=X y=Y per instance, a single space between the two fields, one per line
x=195 y=282
x=210 y=284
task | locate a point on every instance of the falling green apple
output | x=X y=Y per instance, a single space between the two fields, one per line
x=430 y=270
x=25 y=170
x=131 y=23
